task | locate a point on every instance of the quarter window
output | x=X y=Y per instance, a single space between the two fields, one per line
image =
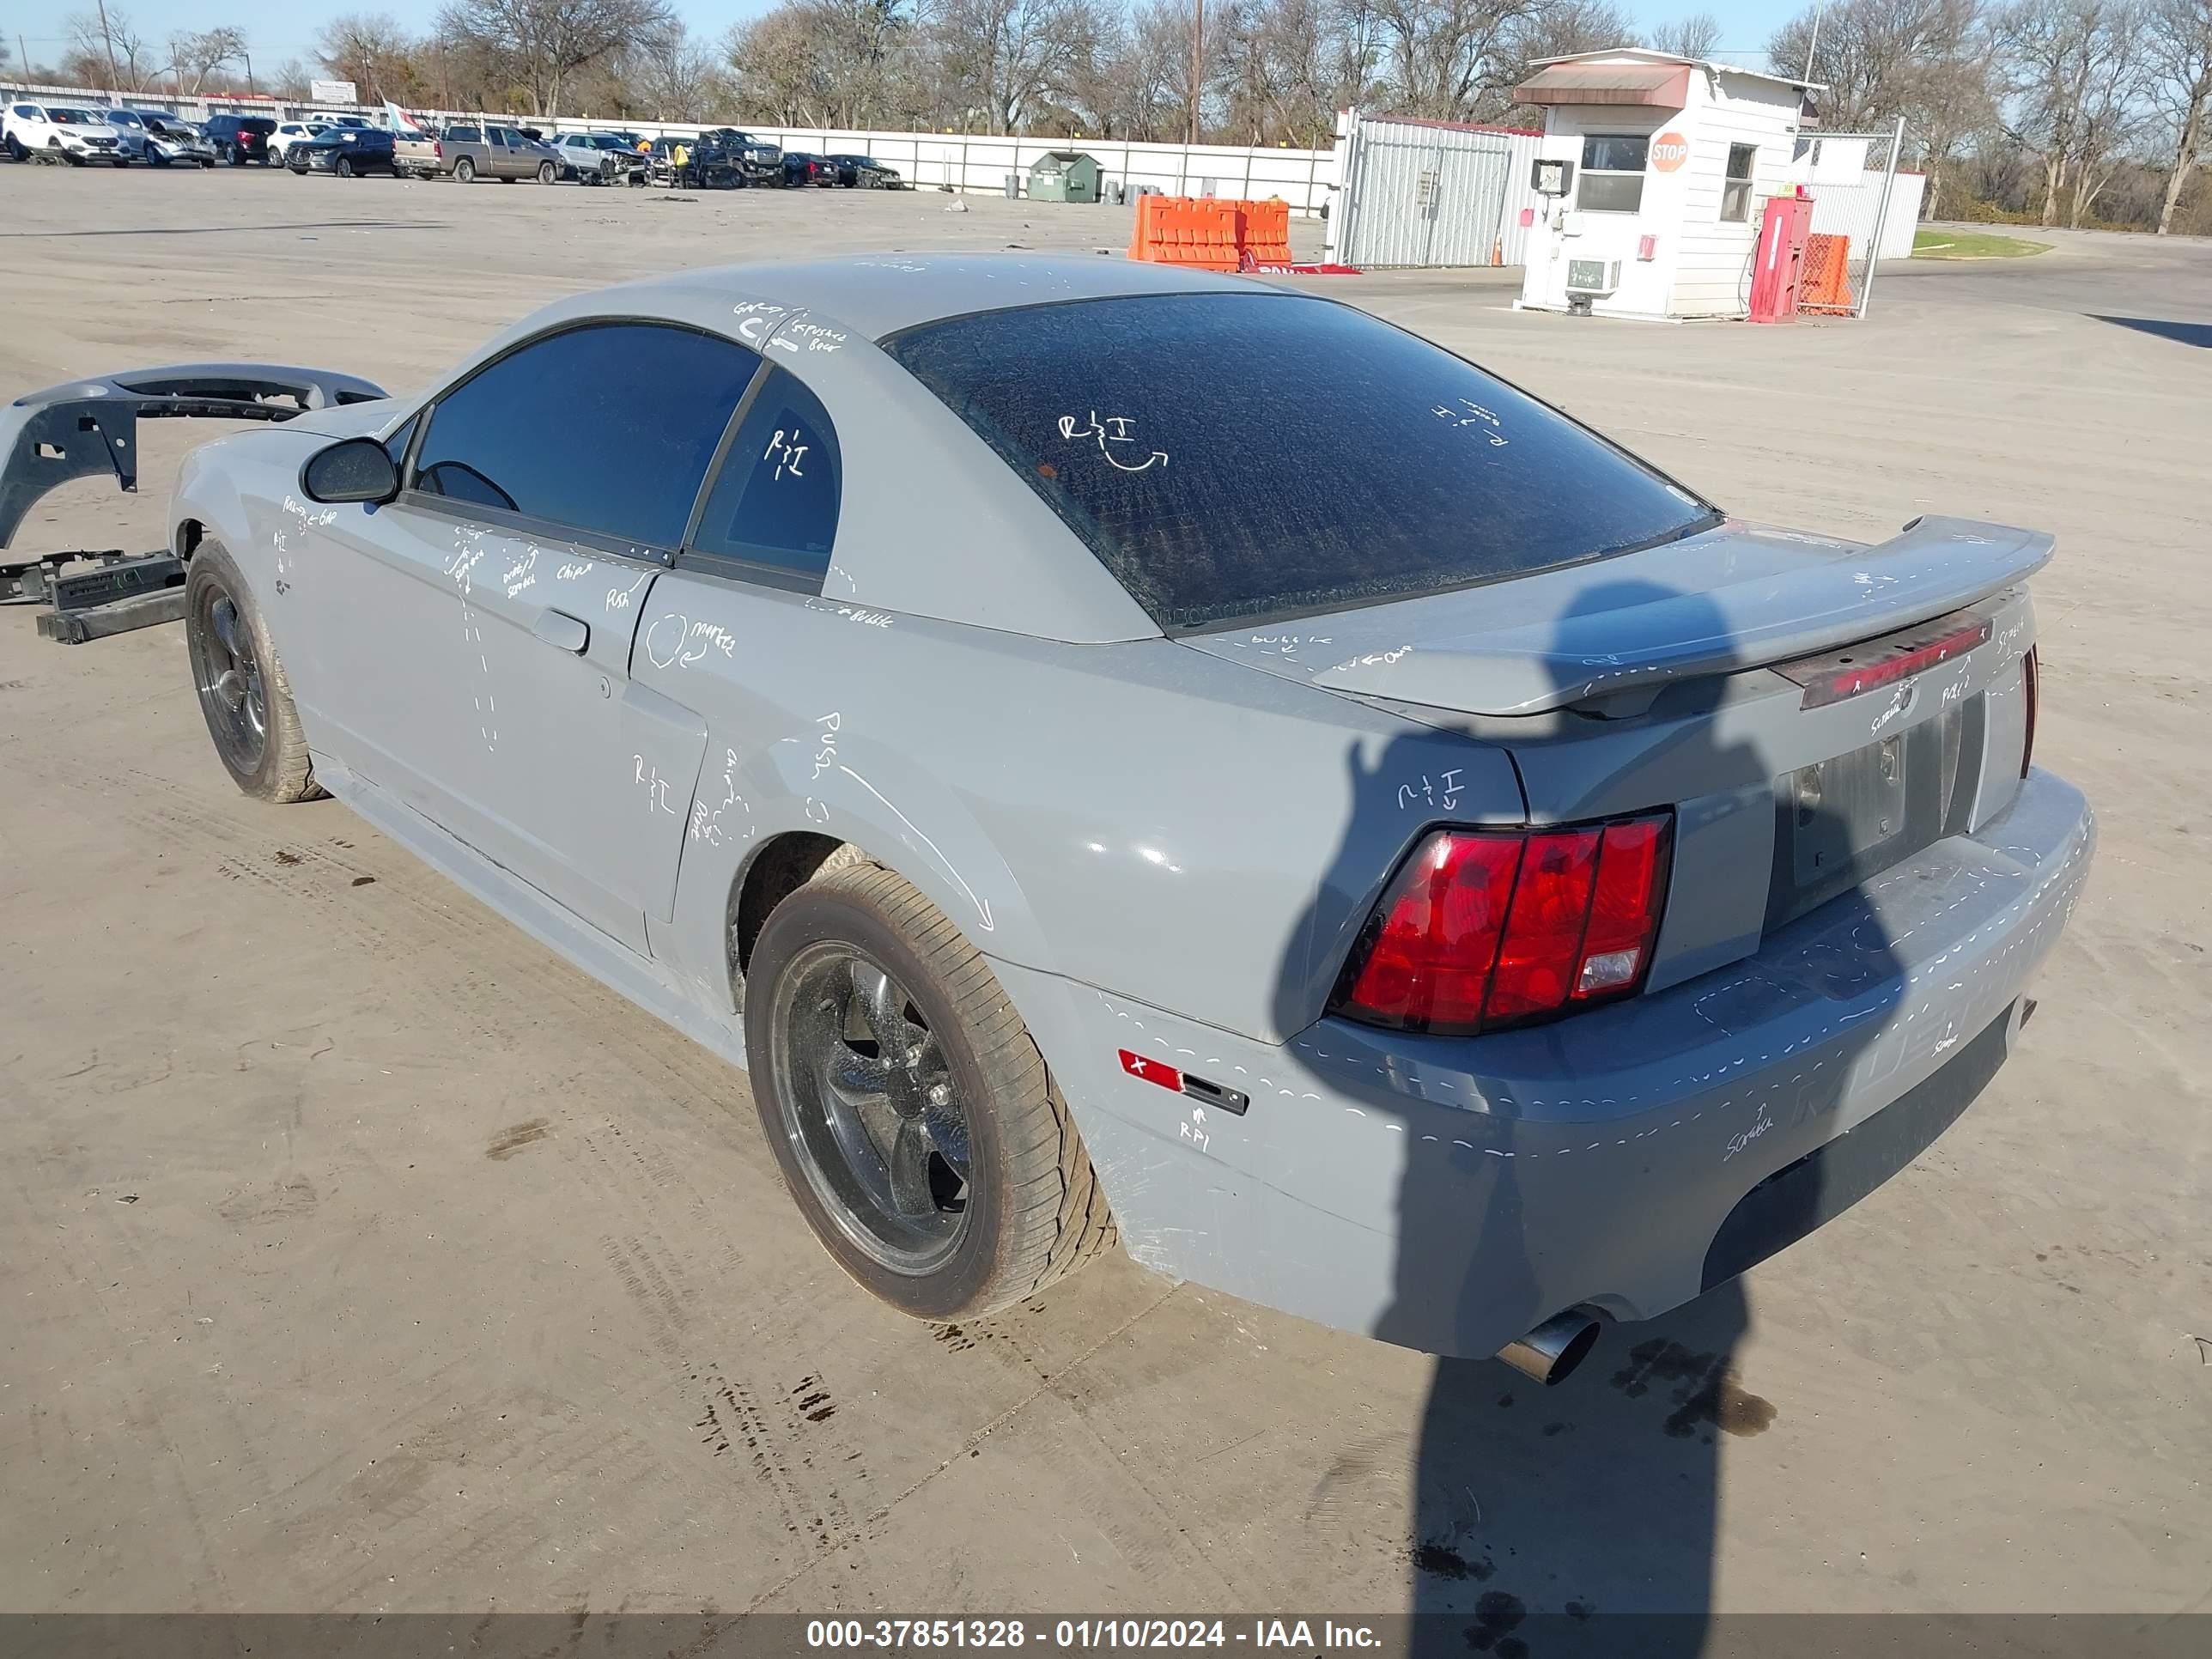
x=1613 y=172
x=1735 y=188
x=776 y=501
x=653 y=402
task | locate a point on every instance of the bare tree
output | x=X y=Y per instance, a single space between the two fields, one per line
x=2074 y=73
x=996 y=59
x=546 y=42
x=674 y=76
x=1446 y=58
x=107 y=39
x=2178 y=57
x=369 y=48
x=194 y=56
x=1694 y=36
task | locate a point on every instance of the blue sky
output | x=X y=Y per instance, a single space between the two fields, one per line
x=278 y=29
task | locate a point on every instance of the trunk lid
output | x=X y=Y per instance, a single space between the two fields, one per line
x=1733 y=597
x=1811 y=711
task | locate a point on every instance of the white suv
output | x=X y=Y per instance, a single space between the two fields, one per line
x=50 y=132
x=289 y=133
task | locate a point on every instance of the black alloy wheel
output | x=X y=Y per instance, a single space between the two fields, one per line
x=873 y=1110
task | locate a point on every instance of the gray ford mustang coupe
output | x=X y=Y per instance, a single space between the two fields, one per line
x=1116 y=751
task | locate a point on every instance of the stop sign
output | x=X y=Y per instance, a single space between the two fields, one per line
x=1669 y=150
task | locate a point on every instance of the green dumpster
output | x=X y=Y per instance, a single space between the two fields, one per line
x=1064 y=175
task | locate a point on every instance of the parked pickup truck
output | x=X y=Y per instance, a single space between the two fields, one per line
x=417 y=154
x=501 y=153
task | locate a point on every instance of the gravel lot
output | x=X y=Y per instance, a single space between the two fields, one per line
x=356 y=1254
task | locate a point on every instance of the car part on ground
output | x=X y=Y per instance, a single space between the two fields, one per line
x=1494 y=883
x=119 y=592
x=87 y=427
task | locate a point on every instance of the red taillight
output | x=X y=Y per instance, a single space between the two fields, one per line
x=2031 y=677
x=438 y=150
x=1483 y=929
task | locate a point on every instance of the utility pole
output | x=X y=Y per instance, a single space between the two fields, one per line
x=114 y=80
x=1814 y=45
x=1197 y=64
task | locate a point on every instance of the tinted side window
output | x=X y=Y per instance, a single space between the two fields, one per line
x=775 y=499
x=462 y=134
x=655 y=401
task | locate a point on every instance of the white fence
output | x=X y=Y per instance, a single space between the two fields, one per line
x=974 y=163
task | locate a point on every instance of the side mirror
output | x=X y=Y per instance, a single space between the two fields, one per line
x=351 y=469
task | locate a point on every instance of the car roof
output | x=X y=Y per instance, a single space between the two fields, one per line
x=948 y=531
x=879 y=295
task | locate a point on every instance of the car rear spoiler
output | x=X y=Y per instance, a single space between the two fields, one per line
x=87 y=427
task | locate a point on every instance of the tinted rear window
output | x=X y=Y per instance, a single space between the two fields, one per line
x=1235 y=457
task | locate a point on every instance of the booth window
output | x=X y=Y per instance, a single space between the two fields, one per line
x=1735 y=189
x=1613 y=172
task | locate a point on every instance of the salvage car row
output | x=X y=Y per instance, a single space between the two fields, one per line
x=350 y=146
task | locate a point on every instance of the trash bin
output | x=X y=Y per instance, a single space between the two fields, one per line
x=1013 y=186
x=1066 y=175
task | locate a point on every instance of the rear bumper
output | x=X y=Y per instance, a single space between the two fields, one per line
x=1450 y=1194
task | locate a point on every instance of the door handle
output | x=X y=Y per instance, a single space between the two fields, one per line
x=562 y=631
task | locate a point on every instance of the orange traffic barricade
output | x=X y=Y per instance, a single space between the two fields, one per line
x=1826 y=284
x=1195 y=232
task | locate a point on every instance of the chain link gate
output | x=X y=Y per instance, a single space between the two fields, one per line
x=1851 y=177
x=1421 y=194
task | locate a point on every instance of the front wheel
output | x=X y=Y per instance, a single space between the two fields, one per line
x=344 y=166
x=244 y=694
x=913 y=1117
x=546 y=172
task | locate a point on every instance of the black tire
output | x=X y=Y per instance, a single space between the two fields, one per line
x=547 y=173
x=1026 y=1211
x=465 y=170
x=235 y=156
x=343 y=167
x=16 y=153
x=244 y=696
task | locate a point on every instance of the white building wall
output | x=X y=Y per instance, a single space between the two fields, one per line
x=1573 y=232
x=1713 y=258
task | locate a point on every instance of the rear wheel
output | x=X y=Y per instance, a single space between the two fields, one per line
x=465 y=171
x=915 y=1121
x=243 y=694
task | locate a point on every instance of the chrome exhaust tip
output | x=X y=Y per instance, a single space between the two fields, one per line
x=1551 y=1351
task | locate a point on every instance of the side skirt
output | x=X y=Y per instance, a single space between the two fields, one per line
x=623 y=971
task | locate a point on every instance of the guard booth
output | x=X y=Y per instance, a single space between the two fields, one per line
x=1651 y=179
x=1064 y=175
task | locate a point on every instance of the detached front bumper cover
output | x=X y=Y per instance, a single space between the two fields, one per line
x=85 y=426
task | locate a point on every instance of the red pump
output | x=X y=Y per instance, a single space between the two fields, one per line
x=1778 y=265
